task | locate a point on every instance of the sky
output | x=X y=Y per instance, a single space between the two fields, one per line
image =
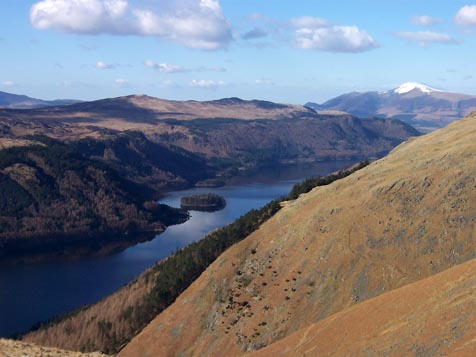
x=282 y=50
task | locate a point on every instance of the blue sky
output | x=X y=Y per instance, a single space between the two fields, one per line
x=284 y=51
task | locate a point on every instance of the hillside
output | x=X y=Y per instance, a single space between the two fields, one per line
x=9 y=348
x=141 y=110
x=430 y=317
x=161 y=167
x=419 y=105
x=403 y=218
x=52 y=195
x=249 y=133
x=16 y=101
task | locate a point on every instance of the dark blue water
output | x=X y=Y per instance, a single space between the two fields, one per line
x=36 y=292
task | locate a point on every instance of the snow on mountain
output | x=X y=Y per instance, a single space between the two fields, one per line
x=409 y=86
x=417 y=104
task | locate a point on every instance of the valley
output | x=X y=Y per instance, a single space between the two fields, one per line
x=100 y=275
x=84 y=157
x=402 y=219
x=237 y=178
x=104 y=163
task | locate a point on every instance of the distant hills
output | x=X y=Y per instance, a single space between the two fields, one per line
x=153 y=145
x=16 y=101
x=250 y=132
x=417 y=104
x=143 y=109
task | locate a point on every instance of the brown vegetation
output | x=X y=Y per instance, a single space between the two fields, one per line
x=401 y=219
x=432 y=317
x=249 y=132
x=10 y=348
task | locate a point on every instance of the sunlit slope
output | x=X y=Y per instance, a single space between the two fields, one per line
x=401 y=219
x=434 y=316
x=10 y=348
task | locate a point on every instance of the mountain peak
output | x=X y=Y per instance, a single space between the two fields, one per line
x=409 y=86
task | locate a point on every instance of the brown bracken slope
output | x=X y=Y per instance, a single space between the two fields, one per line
x=9 y=348
x=401 y=219
x=434 y=316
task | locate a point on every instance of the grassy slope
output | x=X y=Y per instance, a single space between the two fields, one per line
x=401 y=219
x=10 y=348
x=433 y=316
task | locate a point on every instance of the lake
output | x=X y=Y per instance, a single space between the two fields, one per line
x=36 y=292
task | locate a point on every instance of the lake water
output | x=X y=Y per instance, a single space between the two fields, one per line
x=36 y=292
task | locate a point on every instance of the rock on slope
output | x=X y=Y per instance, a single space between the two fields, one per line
x=401 y=219
x=9 y=348
x=433 y=316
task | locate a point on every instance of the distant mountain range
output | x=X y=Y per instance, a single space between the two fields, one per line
x=250 y=131
x=16 y=101
x=417 y=104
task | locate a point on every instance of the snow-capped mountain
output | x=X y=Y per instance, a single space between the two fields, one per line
x=410 y=86
x=424 y=107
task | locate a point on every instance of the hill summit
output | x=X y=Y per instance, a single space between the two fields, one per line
x=410 y=86
x=424 y=107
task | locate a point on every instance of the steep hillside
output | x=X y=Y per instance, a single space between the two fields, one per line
x=10 y=348
x=52 y=195
x=401 y=219
x=419 y=105
x=145 y=162
x=433 y=316
x=16 y=101
x=268 y=141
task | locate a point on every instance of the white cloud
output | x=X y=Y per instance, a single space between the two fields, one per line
x=206 y=83
x=309 y=22
x=173 y=68
x=168 y=84
x=318 y=34
x=164 y=67
x=466 y=16
x=425 y=20
x=264 y=81
x=425 y=38
x=8 y=84
x=193 y=23
x=103 y=65
x=79 y=16
x=122 y=83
